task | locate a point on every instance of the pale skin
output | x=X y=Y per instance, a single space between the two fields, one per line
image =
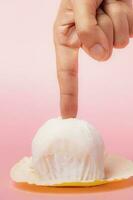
x=96 y=26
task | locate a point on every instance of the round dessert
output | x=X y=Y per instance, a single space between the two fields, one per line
x=68 y=150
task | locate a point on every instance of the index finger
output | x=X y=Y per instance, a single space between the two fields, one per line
x=67 y=73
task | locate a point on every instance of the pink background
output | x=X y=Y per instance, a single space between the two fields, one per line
x=29 y=95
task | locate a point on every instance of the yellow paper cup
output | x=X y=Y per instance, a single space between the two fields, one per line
x=117 y=168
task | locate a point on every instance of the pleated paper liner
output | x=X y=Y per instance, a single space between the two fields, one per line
x=117 y=168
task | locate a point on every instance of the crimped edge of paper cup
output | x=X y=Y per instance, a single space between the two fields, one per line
x=117 y=168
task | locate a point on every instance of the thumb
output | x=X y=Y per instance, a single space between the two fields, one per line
x=92 y=37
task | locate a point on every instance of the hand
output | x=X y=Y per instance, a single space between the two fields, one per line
x=95 y=26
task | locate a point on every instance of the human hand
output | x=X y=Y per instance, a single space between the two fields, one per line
x=96 y=26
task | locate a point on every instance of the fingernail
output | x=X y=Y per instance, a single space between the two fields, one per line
x=98 y=52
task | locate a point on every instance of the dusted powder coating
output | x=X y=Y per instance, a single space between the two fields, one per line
x=68 y=150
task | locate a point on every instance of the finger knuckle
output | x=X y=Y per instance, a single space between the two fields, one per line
x=82 y=31
x=116 y=9
x=58 y=34
x=86 y=31
x=69 y=72
x=106 y=21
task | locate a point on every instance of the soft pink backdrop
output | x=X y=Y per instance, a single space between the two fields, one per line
x=29 y=93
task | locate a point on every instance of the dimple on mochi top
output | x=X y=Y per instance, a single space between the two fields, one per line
x=68 y=150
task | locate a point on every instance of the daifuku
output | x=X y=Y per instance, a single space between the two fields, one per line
x=68 y=150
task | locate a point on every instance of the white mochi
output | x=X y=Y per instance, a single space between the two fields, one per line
x=68 y=150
